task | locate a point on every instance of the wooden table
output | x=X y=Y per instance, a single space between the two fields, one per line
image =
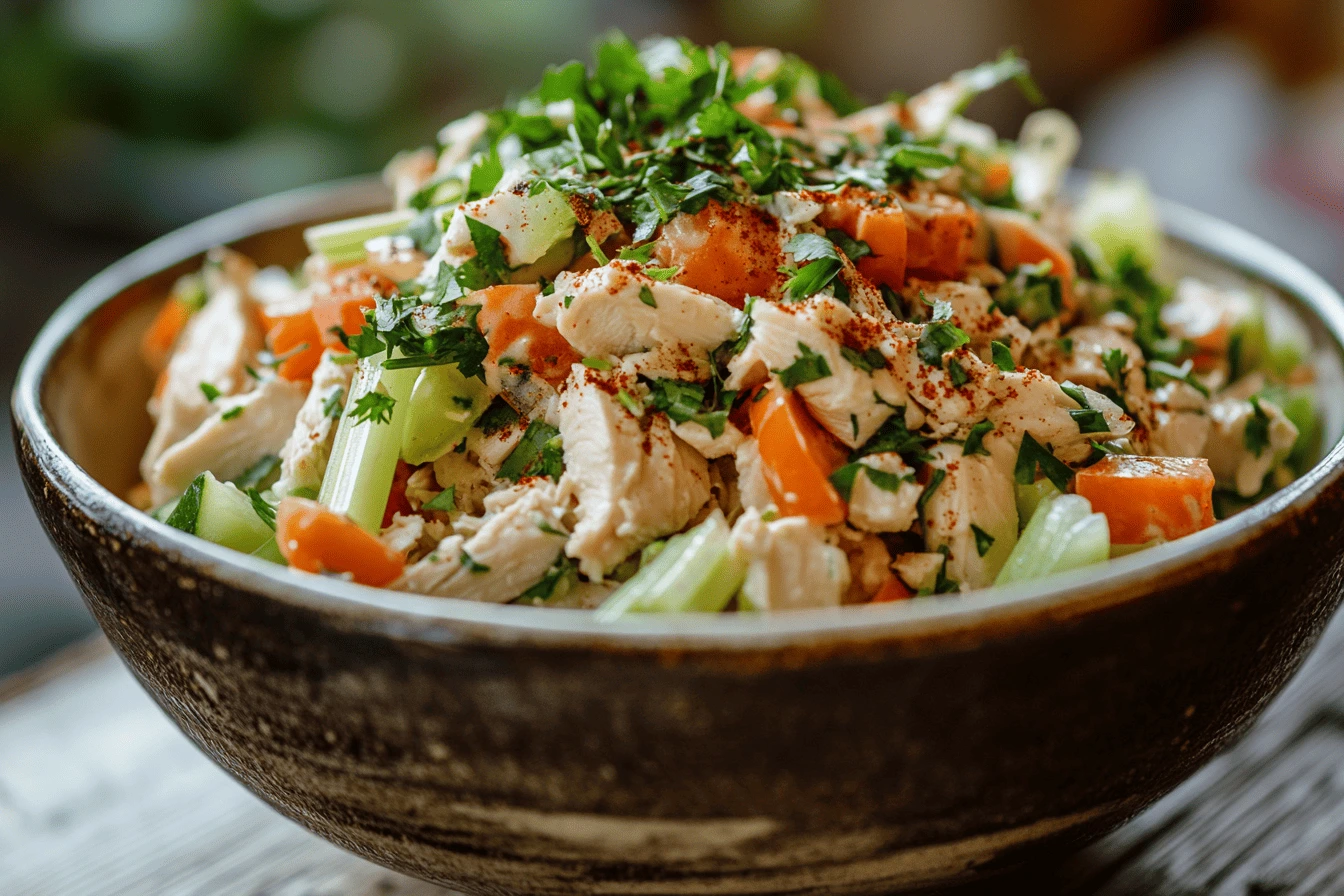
x=100 y=795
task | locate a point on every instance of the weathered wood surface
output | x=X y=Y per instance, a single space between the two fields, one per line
x=100 y=795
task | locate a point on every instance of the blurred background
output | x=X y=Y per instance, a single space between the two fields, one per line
x=122 y=119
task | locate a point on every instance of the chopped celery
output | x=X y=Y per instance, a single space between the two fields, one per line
x=1116 y=214
x=364 y=455
x=220 y=512
x=1029 y=497
x=343 y=242
x=1063 y=534
x=442 y=407
x=529 y=225
x=164 y=511
x=696 y=571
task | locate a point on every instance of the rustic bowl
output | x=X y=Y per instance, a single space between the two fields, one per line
x=504 y=749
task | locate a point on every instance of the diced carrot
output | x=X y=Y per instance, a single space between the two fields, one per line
x=297 y=339
x=893 y=589
x=158 y=341
x=353 y=291
x=507 y=322
x=998 y=176
x=877 y=221
x=941 y=233
x=1020 y=240
x=884 y=229
x=1146 y=498
x=315 y=539
x=797 y=457
x=730 y=251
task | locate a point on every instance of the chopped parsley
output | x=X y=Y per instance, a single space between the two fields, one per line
x=1088 y=418
x=975 y=439
x=445 y=501
x=1032 y=293
x=1115 y=360
x=373 y=407
x=843 y=479
x=469 y=563
x=598 y=255
x=808 y=367
x=1033 y=456
x=685 y=402
x=983 y=540
x=261 y=507
x=538 y=453
x=646 y=296
x=232 y=413
x=956 y=373
x=893 y=435
x=597 y=363
x=820 y=263
x=259 y=472
x=333 y=404
x=868 y=360
x=935 y=479
x=1256 y=434
x=628 y=402
x=209 y=391
x=1003 y=357
x=498 y=414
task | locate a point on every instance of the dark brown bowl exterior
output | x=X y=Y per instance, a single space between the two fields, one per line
x=512 y=750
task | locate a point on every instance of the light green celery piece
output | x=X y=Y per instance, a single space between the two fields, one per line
x=364 y=454
x=1055 y=541
x=442 y=407
x=530 y=225
x=1030 y=496
x=343 y=241
x=1117 y=215
x=221 y=513
x=696 y=572
x=270 y=551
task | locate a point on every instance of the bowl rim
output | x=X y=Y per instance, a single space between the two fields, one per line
x=911 y=625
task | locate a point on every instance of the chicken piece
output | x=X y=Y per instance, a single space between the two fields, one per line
x=407 y=173
x=850 y=401
x=1031 y=402
x=790 y=563
x=1204 y=314
x=973 y=494
x=889 y=507
x=519 y=539
x=471 y=484
x=919 y=570
x=698 y=436
x=751 y=488
x=215 y=348
x=1239 y=460
x=869 y=564
x=492 y=449
x=1083 y=359
x=617 y=310
x=973 y=310
x=242 y=429
x=303 y=459
x=404 y=535
x=458 y=138
x=943 y=406
x=635 y=481
x=1178 y=421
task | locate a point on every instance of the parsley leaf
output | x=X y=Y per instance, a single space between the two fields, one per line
x=445 y=501
x=261 y=507
x=807 y=367
x=1256 y=434
x=975 y=439
x=868 y=360
x=1115 y=360
x=489 y=250
x=1089 y=419
x=682 y=402
x=935 y=479
x=258 y=473
x=1033 y=456
x=956 y=373
x=333 y=404
x=1003 y=357
x=893 y=435
x=470 y=564
x=646 y=296
x=538 y=453
x=939 y=337
x=1032 y=293
x=983 y=540
x=209 y=391
x=373 y=407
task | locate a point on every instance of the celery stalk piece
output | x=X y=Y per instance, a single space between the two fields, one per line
x=442 y=407
x=529 y=225
x=1063 y=534
x=221 y=513
x=270 y=551
x=1029 y=497
x=1116 y=214
x=696 y=572
x=364 y=455
x=343 y=242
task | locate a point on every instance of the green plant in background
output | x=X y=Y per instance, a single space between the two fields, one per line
x=147 y=113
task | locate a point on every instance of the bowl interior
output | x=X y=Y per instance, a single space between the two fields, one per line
x=92 y=390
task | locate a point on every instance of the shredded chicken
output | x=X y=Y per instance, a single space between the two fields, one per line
x=790 y=563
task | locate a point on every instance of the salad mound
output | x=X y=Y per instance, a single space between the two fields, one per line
x=693 y=330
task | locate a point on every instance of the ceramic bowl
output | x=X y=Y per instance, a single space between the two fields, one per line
x=503 y=749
